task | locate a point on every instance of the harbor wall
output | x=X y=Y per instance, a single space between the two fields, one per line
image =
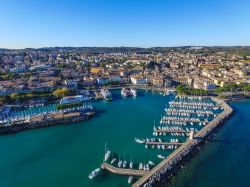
x=166 y=169
x=43 y=123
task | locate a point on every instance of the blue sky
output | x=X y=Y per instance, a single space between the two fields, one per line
x=141 y=23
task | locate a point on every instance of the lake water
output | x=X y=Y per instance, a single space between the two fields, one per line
x=65 y=155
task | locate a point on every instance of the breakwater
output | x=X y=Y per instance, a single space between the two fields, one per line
x=164 y=168
x=45 y=120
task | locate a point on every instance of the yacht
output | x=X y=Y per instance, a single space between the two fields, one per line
x=120 y=163
x=94 y=173
x=125 y=92
x=151 y=163
x=140 y=166
x=113 y=160
x=107 y=155
x=131 y=164
x=133 y=92
x=124 y=164
x=161 y=157
x=139 y=140
x=106 y=94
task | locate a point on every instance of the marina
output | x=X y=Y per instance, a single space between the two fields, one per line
x=204 y=112
x=145 y=160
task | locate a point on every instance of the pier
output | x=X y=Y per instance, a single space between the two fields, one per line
x=182 y=120
x=123 y=171
x=171 y=131
x=163 y=143
x=173 y=159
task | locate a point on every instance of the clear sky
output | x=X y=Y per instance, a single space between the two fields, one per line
x=140 y=23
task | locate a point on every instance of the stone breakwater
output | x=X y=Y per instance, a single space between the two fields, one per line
x=164 y=170
x=46 y=121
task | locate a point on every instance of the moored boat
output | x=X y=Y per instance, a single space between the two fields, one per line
x=94 y=173
x=106 y=94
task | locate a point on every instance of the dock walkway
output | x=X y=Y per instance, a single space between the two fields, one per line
x=124 y=171
x=163 y=143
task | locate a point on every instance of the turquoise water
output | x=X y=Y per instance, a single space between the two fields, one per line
x=65 y=155
x=225 y=161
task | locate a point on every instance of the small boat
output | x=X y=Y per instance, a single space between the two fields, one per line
x=113 y=160
x=107 y=155
x=161 y=157
x=106 y=94
x=125 y=92
x=151 y=163
x=140 y=166
x=119 y=164
x=139 y=140
x=131 y=164
x=94 y=173
x=124 y=164
x=133 y=92
x=130 y=179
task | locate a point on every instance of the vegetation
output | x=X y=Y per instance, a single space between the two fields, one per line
x=6 y=76
x=233 y=88
x=61 y=92
x=184 y=89
x=72 y=105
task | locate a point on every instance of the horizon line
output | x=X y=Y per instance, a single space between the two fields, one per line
x=177 y=46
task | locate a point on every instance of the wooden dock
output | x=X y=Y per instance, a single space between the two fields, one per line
x=124 y=171
x=183 y=120
x=163 y=143
x=171 y=131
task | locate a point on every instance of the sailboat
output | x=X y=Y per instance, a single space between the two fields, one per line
x=131 y=164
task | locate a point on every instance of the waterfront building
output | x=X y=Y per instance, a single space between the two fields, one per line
x=138 y=80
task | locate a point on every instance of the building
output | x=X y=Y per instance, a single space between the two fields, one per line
x=138 y=80
x=158 y=81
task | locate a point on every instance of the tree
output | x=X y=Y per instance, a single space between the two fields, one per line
x=61 y=92
x=14 y=96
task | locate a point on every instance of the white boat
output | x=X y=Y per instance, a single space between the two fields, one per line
x=161 y=157
x=106 y=94
x=151 y=163
x=73 y=99
x=139 y=140
x=119 y=163
x=126 y=92
x=113 y=161
x=133 y=92
x=94 y=173
x=107 y=155
x=130 y=179
x=131 y=164
x=124 y=164
x=140 y=166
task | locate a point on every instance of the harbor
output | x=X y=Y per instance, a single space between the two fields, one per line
x=83 y=164
x=207 y=113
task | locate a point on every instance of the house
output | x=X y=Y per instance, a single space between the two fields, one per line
x=158 y=81
x=138 y=80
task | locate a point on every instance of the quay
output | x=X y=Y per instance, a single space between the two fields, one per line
x=171 y=131
x=123 y=171
x=163 y=143
x=164 y=168
x=182 y=120
x=46 y=119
